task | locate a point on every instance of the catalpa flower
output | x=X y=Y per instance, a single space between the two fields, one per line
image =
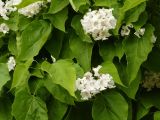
x=97 y=23
x=93 y=83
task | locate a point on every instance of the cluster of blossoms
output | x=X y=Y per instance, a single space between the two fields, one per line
x=11 y=63
x=93 y=83
x=7 y=7
x=125 y=31
x=98 y=23
x=4 y=28
x=151 y=80
x=32 y=9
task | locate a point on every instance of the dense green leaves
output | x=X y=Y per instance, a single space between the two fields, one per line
x=4 y=75
x=134 y=46
x=110 y=106
x=33 y=107
x=58 y=72
x=33 y=37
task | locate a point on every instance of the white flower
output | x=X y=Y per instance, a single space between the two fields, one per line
x=7 y=7
x=32 y=9
x=125 y=31
x=96 y=70
x=4 y=28
x=98 y=23
x=92 y=84
x=53 y=59
x=11 y=63
x=140 y=32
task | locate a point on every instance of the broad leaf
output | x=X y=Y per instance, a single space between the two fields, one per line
x=110 y=106
x=106 y=3
x=58 y=19
x=4 y=75
x=137 y=50
x=82 y=51
x=62 y=73
x=56 y=110
x=58 y=92
x=109 y=67
x=76 y=25
x=28 y=107
x=21 y=74
x=77 y=4
x=33 y=38
x=57 y=5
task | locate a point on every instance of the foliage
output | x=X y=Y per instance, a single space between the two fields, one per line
x=52 y=51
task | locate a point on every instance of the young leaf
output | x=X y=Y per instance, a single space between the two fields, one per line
x=110 y=106
x=137 y=50
x=33 y=38
x=62 y=73
x=28 y=107
x=4 y=75
x=157 y=115
x=82 y=51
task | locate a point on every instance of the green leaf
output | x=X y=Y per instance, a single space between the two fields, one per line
x=28 y=107
x=82 y=51
x=76 y=25
x=128 y=4
x=106 y=3
x=5 y=109
x=137 y=50
x=58 y=92
x=33 y=38
x=4 y=75
x=56 y=110
x=54 y=45
x=58 y=19
x=110 y=106
x=109 y=50
x=133 y=14
x=21 y=74
x=141 y=111
x=57 y=5
x=109 y=67
x=62 y=73
x=132 y=89
x=157 y=115
x=77 y=4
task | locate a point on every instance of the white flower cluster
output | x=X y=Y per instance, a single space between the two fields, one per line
x=125 y=31
x=154 y=38
x=4 y=28
x=11 y=63
x=7 y=7
x=92 y=84
x=151 y=80
x=32 y=9
x=98 y=23
x=140 y=32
